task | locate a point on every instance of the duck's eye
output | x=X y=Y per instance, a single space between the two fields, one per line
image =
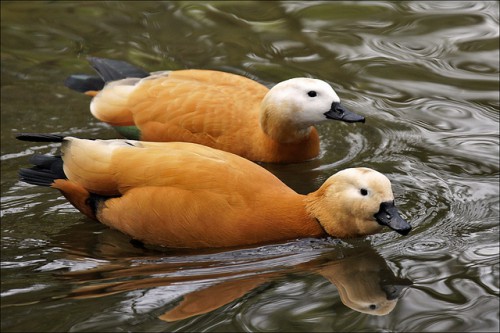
x=373 y=306
x=363 y=191
x=312 y=93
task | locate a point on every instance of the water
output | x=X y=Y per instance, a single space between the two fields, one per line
x=425 y=75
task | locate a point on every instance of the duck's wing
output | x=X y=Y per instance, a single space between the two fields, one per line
x=199 y=106
x=182 y=194
x=111 y=167
x=108 y=70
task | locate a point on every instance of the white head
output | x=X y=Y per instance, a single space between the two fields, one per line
x=356 y=202
x=299 y=103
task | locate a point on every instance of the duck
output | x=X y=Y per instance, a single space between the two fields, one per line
x=218 y=109
x=186 y=195
x=364 y=281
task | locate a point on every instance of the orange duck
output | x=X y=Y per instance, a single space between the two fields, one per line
x=217 y=109
x=185 y=195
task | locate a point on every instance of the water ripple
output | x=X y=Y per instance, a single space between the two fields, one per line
x=425 y=75
x=428 y=245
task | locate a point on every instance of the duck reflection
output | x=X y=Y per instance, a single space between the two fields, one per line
x=365 y=284
x=364 y=281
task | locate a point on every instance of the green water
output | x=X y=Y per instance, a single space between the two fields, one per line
x=424 y=74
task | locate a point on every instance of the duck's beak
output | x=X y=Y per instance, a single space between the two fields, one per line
x=388 y=215
x=393 y=291
x=339 y=112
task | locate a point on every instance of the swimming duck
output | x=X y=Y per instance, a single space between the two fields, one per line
x=217 y=109
x=185 y=195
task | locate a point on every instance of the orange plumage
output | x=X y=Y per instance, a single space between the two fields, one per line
x=219 y=110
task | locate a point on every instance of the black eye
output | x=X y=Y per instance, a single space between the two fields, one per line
x=312 y=93
x=363 y=191
x=373 y=306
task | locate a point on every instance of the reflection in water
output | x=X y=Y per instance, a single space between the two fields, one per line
x=365 y=282
x=362 y=277
x=425 y=75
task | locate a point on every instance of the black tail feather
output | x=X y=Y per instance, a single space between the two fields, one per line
x=53 y=164
x=108 y=70
x=36 y=176
x=43 y=161
x=40 y=137
x=83 y=83
x=46 y=170
x=96 y=200
x=49 y=168
x=112 y=70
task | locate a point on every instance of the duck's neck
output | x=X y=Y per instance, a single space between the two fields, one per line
x=282 y=129
x=330 y=218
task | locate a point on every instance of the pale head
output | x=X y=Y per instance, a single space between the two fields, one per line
x=303 y=101
x=356 y=202
x=291 y=107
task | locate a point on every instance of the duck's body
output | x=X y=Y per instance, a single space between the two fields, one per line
x=188 y=195
x=216 y=109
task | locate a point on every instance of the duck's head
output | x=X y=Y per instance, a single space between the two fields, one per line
x=299 y=103
x=356 y=202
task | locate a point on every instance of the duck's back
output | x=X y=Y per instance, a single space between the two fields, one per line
x=110 y=167
x=201 y=106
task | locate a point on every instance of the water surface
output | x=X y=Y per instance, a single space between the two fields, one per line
x=424 y=74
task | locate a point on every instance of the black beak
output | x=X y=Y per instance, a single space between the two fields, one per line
x=388 y=215
x=393 y=291
x=339 y=112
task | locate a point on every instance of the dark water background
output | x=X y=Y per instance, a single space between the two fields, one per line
x=426 y=76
